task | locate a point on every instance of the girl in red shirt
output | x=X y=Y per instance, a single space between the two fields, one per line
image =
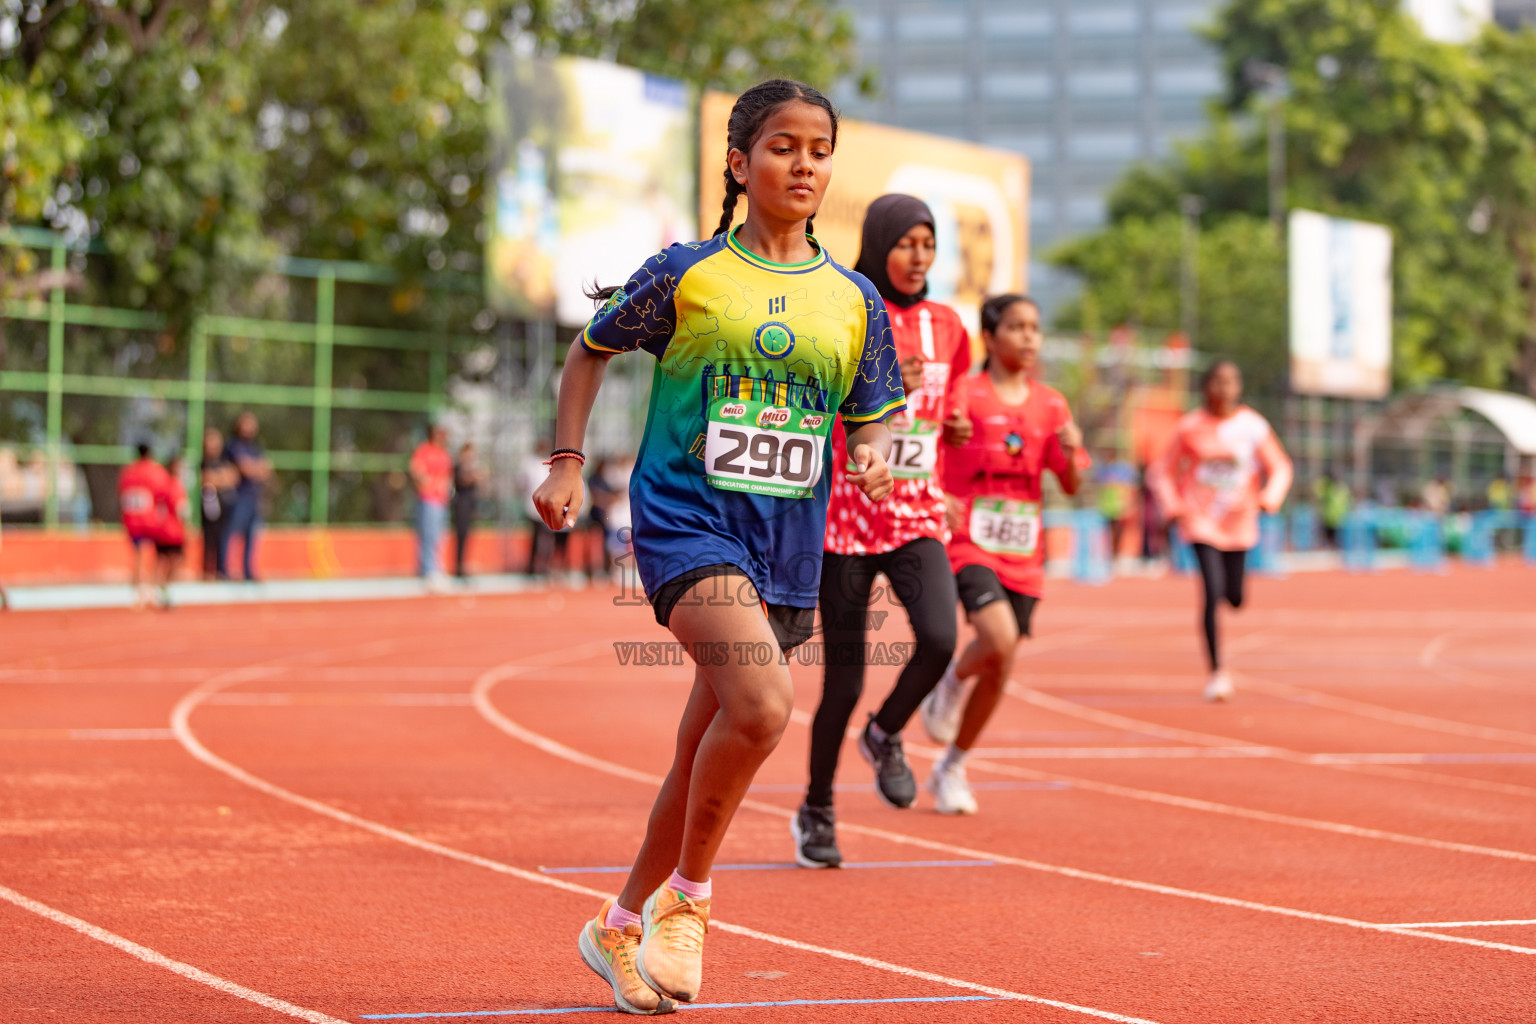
x=170 y=531
x=902 y=536
x=1021 y=428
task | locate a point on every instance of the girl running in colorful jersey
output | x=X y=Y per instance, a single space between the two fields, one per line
x=1223 y=465
x=992 y=487
x=902 y=536
x=761 y=340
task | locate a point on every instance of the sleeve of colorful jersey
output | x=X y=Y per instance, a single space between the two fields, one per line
x=876 y=392
x=641 y=314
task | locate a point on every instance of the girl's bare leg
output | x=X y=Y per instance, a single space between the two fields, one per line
x=990 y=658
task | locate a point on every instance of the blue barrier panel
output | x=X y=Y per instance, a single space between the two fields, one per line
x=1426 y=544
x=1090 y=548
x=1180 y=554
x=1530 y=539
x=1359 y=540
x=1479 y=546
x=1268 y=557
x=1304 y=532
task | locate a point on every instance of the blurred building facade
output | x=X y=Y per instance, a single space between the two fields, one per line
x=1083 y=88
x=1513 y=14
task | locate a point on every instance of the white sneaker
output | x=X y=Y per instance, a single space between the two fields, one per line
x=951 y=790
x=1220 y=687
x=941 y=708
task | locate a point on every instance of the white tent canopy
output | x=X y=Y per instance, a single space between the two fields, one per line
x=1514 y=415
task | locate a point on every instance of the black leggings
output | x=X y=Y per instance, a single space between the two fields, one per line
x=921 y=578
x=1222 y=574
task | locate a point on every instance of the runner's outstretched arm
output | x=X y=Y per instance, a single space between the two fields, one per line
x=560 y=496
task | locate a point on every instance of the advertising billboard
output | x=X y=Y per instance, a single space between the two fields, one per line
x=1341 y=306
x=979 y=197
x=593 y=172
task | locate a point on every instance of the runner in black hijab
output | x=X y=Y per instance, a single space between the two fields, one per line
x=885 y=222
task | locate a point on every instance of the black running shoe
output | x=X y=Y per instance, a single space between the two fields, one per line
x=815 y=838
x=893 y=777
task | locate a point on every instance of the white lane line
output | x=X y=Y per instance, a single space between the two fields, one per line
x=1430 y=723
x=496 y=717
x=86 y=734
x=1212 y=807
x=1075 y=710
x=399 y=700
x=1466 y=924
x=181 y=714
x=150 y=956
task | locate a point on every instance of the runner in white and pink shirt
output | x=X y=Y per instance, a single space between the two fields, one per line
x=1222 y=467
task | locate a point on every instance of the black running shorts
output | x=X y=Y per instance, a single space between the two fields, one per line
x=979 y=587
x=791 y=626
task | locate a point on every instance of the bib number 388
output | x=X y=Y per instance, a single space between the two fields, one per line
x=764 y=449
x=1005 y=527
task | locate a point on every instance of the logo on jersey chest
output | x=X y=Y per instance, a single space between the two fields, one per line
x=773 y=339
x=776 y=305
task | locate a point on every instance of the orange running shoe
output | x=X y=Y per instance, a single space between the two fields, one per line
x=612 y=954
x=672 y=928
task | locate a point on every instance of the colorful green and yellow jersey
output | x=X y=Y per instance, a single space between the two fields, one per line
x=754 y=360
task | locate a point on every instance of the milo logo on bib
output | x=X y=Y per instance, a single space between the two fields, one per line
x=771 y=417
x=760 y=448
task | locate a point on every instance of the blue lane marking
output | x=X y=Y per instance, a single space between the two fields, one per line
x=791 y=866
x=681 y=1006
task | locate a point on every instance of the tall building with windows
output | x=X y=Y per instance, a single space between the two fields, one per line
x=1082 y=87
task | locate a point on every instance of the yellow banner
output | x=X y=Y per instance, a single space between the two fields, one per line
x=979 y=197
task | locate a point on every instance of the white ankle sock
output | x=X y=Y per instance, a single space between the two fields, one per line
x=953 y=757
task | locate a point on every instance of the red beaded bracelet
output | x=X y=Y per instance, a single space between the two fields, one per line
x=566 y=453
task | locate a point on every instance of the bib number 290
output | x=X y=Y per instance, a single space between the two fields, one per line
x=763 y=449
x=766 y=456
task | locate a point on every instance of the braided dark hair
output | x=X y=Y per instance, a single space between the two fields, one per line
x=992 y=311
x=752 y=110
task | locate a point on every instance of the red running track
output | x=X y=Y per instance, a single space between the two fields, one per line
x=336 y=812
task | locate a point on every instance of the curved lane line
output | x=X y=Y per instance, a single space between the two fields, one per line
x=181 y=715
x=488 y=681
x=1045 y=700
x=150 y=956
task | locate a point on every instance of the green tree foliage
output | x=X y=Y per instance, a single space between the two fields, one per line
x=1135 y=273
x=219 y=132
x=1382 y=124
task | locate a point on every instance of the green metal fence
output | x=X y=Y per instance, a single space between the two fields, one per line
x=197 y=390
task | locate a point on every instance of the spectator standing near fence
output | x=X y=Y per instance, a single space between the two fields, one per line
x=468 y=477
x=138 y=488
x=250 y=460
x=1223 y=466
x=219 y=478
x=432 y=475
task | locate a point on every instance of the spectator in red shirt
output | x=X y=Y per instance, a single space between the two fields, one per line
x=137 y=487
x=170 y=526
x=432 y=473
